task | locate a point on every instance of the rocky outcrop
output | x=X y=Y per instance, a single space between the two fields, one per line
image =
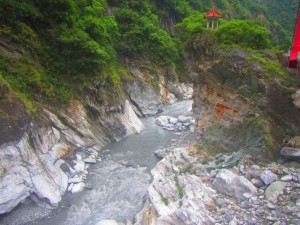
x=177 y=198
x=145 y=97
x=181 y=91
x=183 y=191
x=14 y=118
x=31 y=165
x=291 y=153
x=150 y=87
x=236 y=103
x=296 y=98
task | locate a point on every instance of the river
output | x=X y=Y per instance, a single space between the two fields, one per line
x=118 y=191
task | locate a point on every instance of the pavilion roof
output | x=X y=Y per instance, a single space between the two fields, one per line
x=213 y=13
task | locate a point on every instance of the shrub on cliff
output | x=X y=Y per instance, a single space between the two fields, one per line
x=246 y=33
x=191 y=25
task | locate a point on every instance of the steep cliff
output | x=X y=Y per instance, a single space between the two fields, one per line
x=31 y=158
x=63 y=88
x=39 y=149
x=242 y=98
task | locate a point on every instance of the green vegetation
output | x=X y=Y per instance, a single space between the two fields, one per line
x=2 y=172
x=190 y=26
x=282 y=15
x=250 y=34
x=173 y=9
x=66 y=42
x=179 y=189
x=263 y=128
x=271 y=67
x=186 y=168
x=141 y=34
x=165 y=200
x=54 y=48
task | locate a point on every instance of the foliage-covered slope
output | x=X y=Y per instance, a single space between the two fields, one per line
x=48 y=49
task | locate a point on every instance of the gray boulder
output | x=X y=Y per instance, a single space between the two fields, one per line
x=291 y=153
x=274 y=190
x=253 y=172
x=268 y=177
x=287 y=178
x=231 y=184
x=145 y=97
x=257 y=182
x=162 y=121
x=161 y=153
x=185 y=119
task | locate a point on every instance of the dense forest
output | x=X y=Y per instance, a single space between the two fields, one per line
x=51 y=48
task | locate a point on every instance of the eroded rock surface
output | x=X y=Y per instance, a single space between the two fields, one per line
x=177 y=198
x=226 y=182
x=32 y=165
x=183 y=184
x=145 y=97
x=291 y=153
x=14 y=119
x=29 y=167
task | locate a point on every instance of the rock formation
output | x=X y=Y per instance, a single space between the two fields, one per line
x=237 y=105
x=33 y=149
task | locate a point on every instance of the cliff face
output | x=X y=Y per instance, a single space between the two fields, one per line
x=32 y=154
x=37 y=152
x=13 y=115
x=238 y=104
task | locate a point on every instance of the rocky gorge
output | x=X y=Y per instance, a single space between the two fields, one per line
x=226 y=176
x=235 y=175
x=44 y=156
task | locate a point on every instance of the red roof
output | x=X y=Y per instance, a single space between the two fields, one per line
x=213 y=13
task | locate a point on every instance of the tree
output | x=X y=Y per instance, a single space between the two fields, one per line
x=250 y=33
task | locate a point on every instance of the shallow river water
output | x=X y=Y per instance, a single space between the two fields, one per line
x=118 y=191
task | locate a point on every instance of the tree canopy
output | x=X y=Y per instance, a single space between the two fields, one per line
x=251 y=34
x=67 y=41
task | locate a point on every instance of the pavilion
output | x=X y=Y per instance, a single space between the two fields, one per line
x=212 y=18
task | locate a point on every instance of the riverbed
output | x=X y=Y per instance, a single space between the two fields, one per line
x=119 y=180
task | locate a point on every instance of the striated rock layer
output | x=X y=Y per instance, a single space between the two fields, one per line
x=175 y=197
x=30 y=164
x=33 y=149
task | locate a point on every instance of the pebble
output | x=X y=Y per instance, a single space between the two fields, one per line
x=213 y=173
x=257 y=182
x=271 y=206
x=245 y=205
x=247 y=195
x=255 y=209
x=88 y=186
x=234 y=221
x=220 y=203
x=228 y=217
x=270 y=218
